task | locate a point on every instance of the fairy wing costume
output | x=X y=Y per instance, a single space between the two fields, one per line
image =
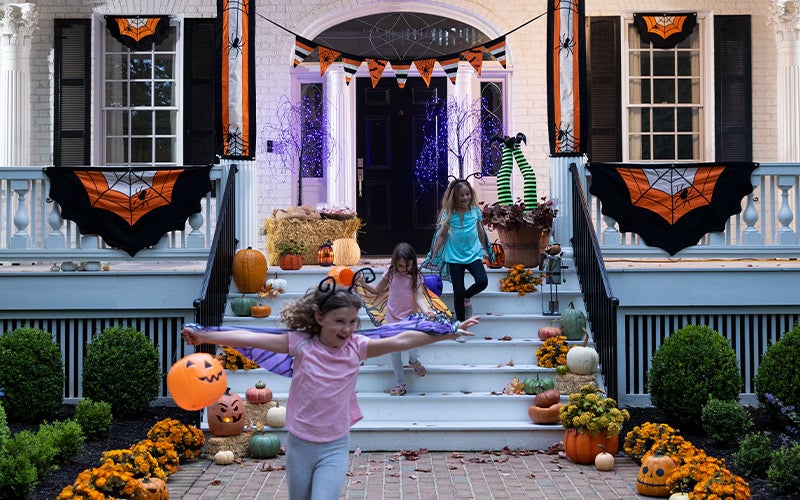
x=375 y=305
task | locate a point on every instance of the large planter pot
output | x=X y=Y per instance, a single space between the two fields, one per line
x=583 y=448
x=521 y=246
x=290 y=262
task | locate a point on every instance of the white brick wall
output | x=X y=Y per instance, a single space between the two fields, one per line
x=525 y=47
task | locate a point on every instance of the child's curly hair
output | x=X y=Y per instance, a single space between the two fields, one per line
x=300 y=315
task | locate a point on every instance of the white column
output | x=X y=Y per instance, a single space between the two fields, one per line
x=17 y=23
x=340 y=171
x=561 y=194
x=784 y=16
x=463 y=95
x=247 y=223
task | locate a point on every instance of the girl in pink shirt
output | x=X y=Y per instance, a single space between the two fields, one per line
x=326 y=358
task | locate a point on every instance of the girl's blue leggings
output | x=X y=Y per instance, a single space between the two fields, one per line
x=316 y=471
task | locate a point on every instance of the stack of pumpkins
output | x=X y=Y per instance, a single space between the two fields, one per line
x=546 y=401
x=249 y=275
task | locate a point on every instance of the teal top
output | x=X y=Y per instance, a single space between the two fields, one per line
x=463 y=246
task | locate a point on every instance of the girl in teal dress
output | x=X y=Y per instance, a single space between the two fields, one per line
x=463 y=244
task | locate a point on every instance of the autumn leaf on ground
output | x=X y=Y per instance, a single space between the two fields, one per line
x=271 y=467
x=456 y=455
x=422 y=470
x=507 y=337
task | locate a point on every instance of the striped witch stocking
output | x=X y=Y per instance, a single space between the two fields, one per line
x=512 y=152
x=504 y=178
x=529 y=178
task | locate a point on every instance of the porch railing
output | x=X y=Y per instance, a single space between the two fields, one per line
x=601 y=305
x=765 y=228
x=32 y=228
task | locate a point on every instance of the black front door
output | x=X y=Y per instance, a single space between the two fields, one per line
x=395 y=201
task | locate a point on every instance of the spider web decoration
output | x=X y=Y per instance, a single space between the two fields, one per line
x=130 y=208
x=671 y=206
x=566 y=71
x=136 y=32
x=237 y=36
x=664 y=31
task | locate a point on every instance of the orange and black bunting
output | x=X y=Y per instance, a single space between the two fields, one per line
x=130 y=208
x=137 y=32
x=671 y=206
x=664 y=31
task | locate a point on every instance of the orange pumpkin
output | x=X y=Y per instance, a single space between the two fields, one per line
x=547 y=415
x=583 y=448
x=548 y=398
x=155 y=488
x=290 y=262
x=226 y=416
x=653 y=474
x=546 y=332
x=260 y=311
x=197 y=380
x=249 y=270
x=342 y=274
x=499 y=256
x=258 y=394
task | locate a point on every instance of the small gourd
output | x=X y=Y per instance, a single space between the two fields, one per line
x=536 y=385
x=277 y=284
x=264 y=445
x=573 y=321
x=583 y=360
x=241 y=305
x=547 y=398
x=258 y=394
x=346 y=252
x=260 y=310
x=604 y=461
x=224 y=457
x=681 y=495
x=276 y=416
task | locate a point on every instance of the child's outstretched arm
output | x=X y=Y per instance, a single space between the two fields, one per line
x=414 y=338
x=275 y=342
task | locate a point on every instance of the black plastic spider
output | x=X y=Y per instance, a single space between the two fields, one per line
x=565 y=43
x=235 y=44
x=234 y=143
x=565 y=140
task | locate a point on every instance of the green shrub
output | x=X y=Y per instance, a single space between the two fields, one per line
x=693 y=365
x=17 y=475
x=5 y=431
x=36 y=450
x=779 y=371
x=121 y=367
x=725 y=421
x=31 y=374
x=753 y=457
x=784 y=471
x=65 y=437
x=95 y=418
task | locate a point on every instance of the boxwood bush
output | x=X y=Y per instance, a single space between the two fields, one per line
x=779 y=372
x=692 y=366
x=121 y=368
x=31 y=375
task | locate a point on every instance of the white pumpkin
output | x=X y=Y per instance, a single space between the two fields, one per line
x=604 y=461
x=277 y=283
x=583 y=360
x=224 y=457
x=276 y=416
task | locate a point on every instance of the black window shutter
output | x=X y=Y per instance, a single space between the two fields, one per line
x=733 y=103
x=604 y=73
x=201 y=98
x=72 y=93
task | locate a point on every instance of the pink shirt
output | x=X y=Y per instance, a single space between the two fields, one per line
x=402 y=299
x=322 y=402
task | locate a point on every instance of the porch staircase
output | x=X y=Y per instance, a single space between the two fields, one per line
x=459 y=404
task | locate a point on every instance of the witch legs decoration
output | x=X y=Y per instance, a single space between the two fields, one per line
x=511 y=153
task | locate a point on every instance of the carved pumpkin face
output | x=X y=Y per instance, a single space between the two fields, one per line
x=197 y=380
x=226 y=416
x=652 y=478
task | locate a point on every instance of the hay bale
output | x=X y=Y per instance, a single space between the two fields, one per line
x=313 y=232
x=238 y=444
x=572 y=382
x=257 y=412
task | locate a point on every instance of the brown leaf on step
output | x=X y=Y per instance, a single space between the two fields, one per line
x=487 y=338
x=533 y=476
x=554 y=448
x=505 y=338
x=456 y=455
x=215 y=482
x=422 y=470
x=452 y=467
x=271 y=467
x=466 y=392
x=413 y=454
x=495 y=393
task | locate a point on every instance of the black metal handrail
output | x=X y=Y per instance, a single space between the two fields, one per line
x=209 y=307
x=601 y=305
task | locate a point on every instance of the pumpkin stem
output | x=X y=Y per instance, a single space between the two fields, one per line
x=585 y=337
x=601 y=446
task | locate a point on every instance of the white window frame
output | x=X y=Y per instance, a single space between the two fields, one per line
x=98 y=129
x=705 y=31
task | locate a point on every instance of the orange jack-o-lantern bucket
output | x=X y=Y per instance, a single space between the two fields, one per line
x=197 y=380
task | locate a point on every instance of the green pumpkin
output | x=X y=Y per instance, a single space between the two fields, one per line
x=573 y=321
x=241 y=305
x=536 y=385
x=264 y=445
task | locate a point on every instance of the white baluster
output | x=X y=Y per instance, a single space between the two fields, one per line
x=611 y=236
x=195 y=237
x=21 y=239
x=56 y=238
x=90 y=241
x=751 y=235
x=785 y=235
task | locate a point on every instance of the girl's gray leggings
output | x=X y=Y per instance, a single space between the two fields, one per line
x=316 y=471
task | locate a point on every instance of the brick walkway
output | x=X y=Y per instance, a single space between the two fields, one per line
x=436 y=475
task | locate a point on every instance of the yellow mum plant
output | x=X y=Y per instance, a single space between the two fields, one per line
x=110 y=480
x=589 y=410
x=188 y=440
x=642 y=438
x=553 y=352
x=519 y=279
x=232 y=360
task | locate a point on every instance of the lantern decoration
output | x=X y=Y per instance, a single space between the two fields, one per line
x=325 y=254
x=197 y=380
x=499 y=256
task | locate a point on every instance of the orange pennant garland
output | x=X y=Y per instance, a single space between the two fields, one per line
x=351 y=65
x=450 y=66
x=401 y=72
x=498 y=50
x=425 y=68
x=475 y=58
x=376 y=67
x=302 y=49
x=326 y=58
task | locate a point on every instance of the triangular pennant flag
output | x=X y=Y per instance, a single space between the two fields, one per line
x=376 y=67
x=498 y=49
x=326 y=58
x=474 y=56
x=450 y=66
x=400 y=69
x=350 y=67
x=425 y=68
x=302 y=49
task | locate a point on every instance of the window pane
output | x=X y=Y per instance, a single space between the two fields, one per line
x=663 y=63
x=688 y=147
x=663 y=147
x=141 y=122
x=491 y=126
x=636 y=123
x=116 y=94
x=116 y=122
x=165 y=122
x=112 y=45
x=639 y=147
x=663 y=91
x=116 y=66
x=168 y=43
x=140 y=94
x=664 y=119
x=640 y=91
x=640 y=64
x=687 y=63
x=142 y=150
x=164 y=66
x=164 y=94
x=165 y=150
x=116 y=150
x=687 y=119
x=141 y=67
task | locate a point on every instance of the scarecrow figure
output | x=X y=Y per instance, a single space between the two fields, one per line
x=511 y=152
